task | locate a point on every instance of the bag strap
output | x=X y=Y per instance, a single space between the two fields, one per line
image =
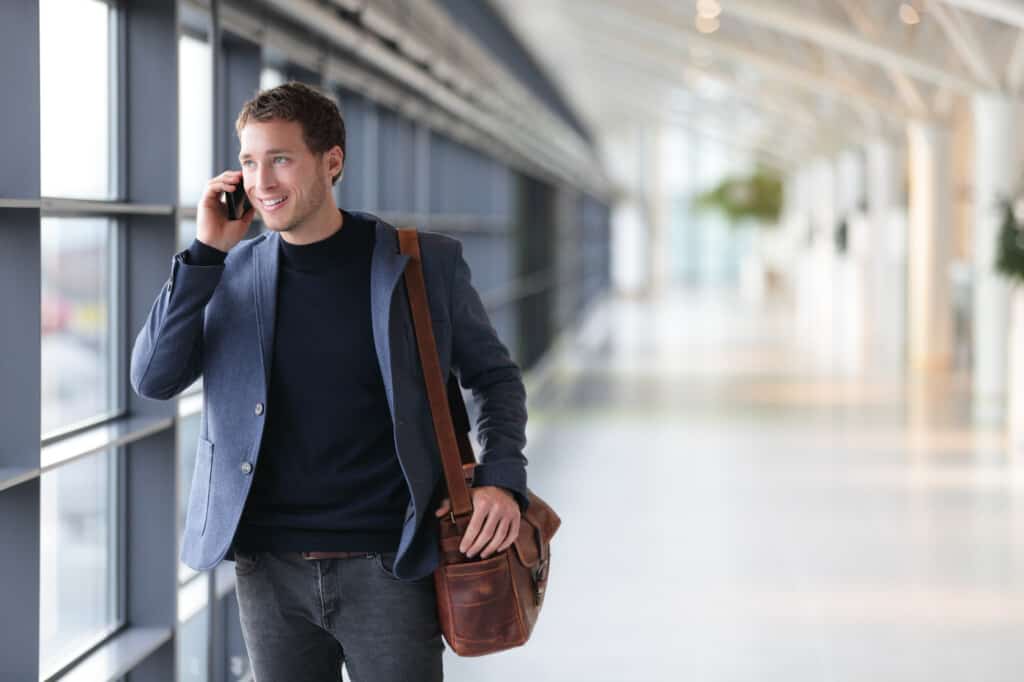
x=452 y=457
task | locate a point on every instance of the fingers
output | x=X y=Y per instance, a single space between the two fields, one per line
x=498 y=540
x=480 y=529
x=225 y=182
x=513 y=533
x=222 y=185
x=249 y=214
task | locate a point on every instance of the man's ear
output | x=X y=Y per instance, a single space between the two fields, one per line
x=335 y=157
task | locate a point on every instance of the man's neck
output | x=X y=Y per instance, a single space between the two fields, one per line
x=327 y=221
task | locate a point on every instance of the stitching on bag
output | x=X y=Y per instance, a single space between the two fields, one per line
x=519 y=617
x=480 y=603
x=476 y=573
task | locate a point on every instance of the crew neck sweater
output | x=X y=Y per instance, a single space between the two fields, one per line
x=327 y=477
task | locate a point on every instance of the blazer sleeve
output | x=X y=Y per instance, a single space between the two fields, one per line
x=483 y=365
x=168 y=352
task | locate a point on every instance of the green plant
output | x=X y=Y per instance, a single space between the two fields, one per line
x=1010 y=245
x=757 y=196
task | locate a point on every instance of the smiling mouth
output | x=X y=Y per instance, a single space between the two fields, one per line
x=273 y=207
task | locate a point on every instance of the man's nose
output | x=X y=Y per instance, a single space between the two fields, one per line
x=265 y=179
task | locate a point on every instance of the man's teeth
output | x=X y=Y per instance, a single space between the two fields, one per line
x=275 y=202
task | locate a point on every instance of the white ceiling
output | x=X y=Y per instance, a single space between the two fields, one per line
x=788 y=78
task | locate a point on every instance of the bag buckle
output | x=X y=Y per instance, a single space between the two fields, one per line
x=540 y=581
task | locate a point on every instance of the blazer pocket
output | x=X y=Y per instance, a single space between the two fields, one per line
x=199 y=497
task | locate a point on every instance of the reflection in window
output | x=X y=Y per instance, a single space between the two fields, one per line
x=78 y=567
x=195 y=119
x=78 y=372
x=75 y=96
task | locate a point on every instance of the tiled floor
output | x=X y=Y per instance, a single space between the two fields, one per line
x=731 y=514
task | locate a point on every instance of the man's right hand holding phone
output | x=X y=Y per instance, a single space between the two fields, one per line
x=213 y=227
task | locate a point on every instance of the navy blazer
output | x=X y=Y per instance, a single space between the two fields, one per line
x=218 y=322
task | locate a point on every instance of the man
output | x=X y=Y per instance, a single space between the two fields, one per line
x=317 y=466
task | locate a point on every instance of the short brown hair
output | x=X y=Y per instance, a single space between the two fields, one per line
x=322 y=124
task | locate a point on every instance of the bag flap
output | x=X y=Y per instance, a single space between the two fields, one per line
x=540 y=521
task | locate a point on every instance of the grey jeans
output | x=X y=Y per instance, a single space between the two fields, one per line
x=303 y=618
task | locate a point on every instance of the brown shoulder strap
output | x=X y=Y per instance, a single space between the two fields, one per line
x=416 y=288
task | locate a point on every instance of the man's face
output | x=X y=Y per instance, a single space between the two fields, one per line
x=277 y=165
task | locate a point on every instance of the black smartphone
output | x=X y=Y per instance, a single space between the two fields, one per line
x=237 y=201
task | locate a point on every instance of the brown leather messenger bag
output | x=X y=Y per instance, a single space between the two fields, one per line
x=483 y=605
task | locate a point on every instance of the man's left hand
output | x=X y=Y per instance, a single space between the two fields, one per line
x=494 y=525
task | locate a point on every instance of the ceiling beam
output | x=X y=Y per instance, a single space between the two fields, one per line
x=767 y=153
x=655 y=64
x=905 y=86
x=655 y=70
x=779 y=127
x=667 y=30
x=836 y=37
x=1015 y=66
x=961 y=35
x=1007 y=11
x=639 y=105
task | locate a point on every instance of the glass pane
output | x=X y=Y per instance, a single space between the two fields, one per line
x=188 y=436
x=78 y=321
x=74 y=91
x=271 y=77
x=192 y=637
x=186 y=233
x=78 y=568
x=193 y=629
x=195 y=119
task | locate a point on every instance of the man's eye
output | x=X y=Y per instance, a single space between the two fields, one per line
x=280 y=157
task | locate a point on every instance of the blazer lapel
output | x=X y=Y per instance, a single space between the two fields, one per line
x=265 y=268
x=386 y=268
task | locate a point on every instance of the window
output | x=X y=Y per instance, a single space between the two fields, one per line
x=355 y=187
x=396 y=162
x=186 y=233
x=76 y=97
x=188 y=436
x=193 y=595
x=193 y=629
x=271 y=77
x=195 y=119
x=79 y=602
x=79 y=322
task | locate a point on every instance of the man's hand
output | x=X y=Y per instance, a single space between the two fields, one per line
x=212 y=225
x=494 y=525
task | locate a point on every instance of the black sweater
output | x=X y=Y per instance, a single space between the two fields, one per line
x=327 y=477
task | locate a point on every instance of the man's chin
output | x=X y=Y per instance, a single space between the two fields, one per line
x=278 y=227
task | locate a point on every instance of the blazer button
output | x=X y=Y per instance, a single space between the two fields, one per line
x=259 y=409
x=246 y=468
